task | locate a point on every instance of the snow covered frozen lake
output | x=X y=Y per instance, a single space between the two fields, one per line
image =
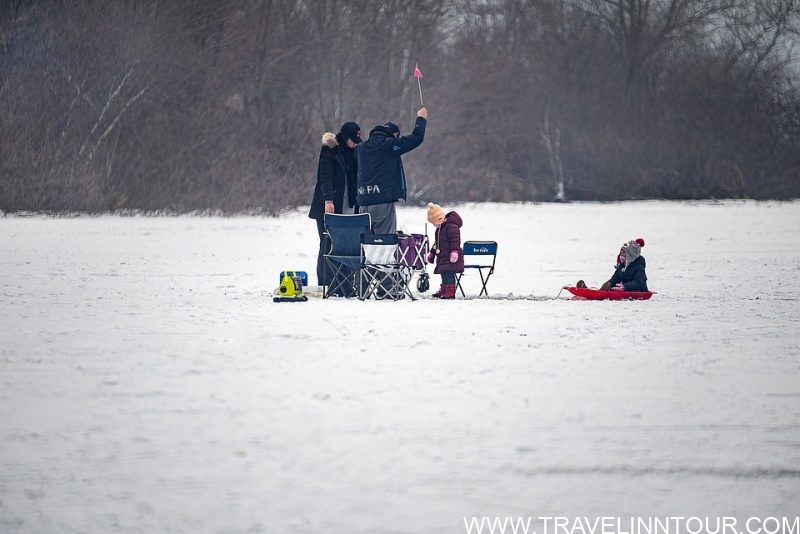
x=148 y=383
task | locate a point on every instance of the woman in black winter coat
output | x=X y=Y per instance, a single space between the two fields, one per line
x=335 y=190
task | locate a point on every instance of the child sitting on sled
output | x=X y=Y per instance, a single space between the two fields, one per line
x=446 y=251
x=629 y=270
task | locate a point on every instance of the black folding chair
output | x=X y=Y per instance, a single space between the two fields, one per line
x=344 y=257
x=482 y=256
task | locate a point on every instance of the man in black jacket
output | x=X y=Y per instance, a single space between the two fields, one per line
x=335 y=190
x=381 y=178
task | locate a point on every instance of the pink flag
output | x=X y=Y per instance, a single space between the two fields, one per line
x=417 y=72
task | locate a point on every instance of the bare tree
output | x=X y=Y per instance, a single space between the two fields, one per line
x=215 y=105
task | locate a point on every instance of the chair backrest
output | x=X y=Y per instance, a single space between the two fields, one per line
x=485 y=249
x=379 y=249
x=345 y=232
x=413 y=249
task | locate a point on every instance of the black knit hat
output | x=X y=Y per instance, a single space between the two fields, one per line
x=352 y=131
x=392 y=126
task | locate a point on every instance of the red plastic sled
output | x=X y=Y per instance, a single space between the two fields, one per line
x=596 y=294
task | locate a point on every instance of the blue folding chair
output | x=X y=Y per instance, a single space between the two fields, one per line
x=482 y=256
x=344 y=257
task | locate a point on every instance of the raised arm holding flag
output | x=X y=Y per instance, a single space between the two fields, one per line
x=381 y=178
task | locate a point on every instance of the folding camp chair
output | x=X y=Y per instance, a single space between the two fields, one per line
x=344 y=257
x=382 y=275
x=482 y=249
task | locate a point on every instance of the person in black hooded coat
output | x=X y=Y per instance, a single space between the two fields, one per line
x=335 y=189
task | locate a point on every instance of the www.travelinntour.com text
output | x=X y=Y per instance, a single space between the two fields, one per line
x=631 y=525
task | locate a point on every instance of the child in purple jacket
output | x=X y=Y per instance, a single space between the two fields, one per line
x=446 y=251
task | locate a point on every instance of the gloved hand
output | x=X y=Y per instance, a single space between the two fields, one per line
x=453 y=256
x=618 y=287
x=431 y=256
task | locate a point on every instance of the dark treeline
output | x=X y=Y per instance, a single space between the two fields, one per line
x=186 y=105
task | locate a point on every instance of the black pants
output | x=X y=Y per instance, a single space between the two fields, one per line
x=324 y=274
